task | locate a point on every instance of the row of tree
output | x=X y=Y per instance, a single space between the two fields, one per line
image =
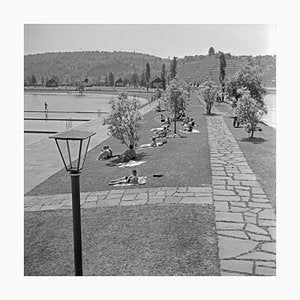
x=134 y=79
x=244 y=90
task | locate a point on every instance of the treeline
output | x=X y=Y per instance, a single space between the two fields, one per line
x=107 y=68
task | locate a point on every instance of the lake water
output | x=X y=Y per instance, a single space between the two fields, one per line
x=270 y=117
x=71 y=108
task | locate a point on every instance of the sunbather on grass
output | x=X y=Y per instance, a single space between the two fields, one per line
x=128 y=155
x=132 y=178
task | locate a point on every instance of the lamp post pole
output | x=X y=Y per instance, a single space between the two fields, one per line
x=76 y=222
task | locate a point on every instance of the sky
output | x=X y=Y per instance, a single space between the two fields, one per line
x=155 y=39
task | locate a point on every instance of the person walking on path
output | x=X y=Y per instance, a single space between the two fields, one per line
x=236 y=122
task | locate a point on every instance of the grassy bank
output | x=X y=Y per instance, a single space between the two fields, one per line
x=182 y=161
x=165 y=240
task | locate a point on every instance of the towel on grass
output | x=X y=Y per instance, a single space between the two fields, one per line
x=141 y=180
x=193 y=131
x=149 y=145
x=157 y=129
x=131 y=163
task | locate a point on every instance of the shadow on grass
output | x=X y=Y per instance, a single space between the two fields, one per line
x=253 y=140
x=212 y=115
x=113 y=162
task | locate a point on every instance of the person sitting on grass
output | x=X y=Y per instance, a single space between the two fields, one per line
x=132 y=178
x=153 y=142
x=128 y=155
x=105 y=153
x=186 y=121
x=162 y=118
x=167 y=121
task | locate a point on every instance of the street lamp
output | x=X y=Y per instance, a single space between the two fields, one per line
x=73 y=146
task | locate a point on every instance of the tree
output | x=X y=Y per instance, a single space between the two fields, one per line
x=173 y=68
x=106 y=81
x=208 y=93
x=33 y=80
x=175 y=98
x=163 y=76
x=143 y=79
x=42 y=80
x=86 y=80
x=249 y=78
x=211 y=51
x=249 y=111
x=111 y=79
x=148 y=75
x=134 y=79
x=222 y=73
x=124 y=120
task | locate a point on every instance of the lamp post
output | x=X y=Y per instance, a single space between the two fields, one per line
x=73 y=146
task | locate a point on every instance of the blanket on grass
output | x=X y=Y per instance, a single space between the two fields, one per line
x=149 y=145
x=193 y=131
x=131 y=163
x=157 y=129
x=141 y=180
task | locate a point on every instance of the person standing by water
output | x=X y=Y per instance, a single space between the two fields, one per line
x=46 y=110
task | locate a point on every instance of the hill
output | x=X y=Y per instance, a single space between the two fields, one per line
x=72 y=67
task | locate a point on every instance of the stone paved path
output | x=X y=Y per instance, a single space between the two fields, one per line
x=245 y=219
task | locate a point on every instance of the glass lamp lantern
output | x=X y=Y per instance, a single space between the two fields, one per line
x=73 y=146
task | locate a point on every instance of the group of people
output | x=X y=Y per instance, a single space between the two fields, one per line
x=189 y=123
x=106 y=153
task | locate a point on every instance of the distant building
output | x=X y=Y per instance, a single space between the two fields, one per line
x=156 y=83
x=51 y=83
x=119 y=82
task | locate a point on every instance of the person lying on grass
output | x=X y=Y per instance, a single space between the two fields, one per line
x=163 y=133
x=128 y=155
x=132 y=178
x=105 y=153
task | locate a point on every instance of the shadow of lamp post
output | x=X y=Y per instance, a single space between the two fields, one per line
x=73 y=146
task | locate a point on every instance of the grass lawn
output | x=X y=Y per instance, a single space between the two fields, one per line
x=182 y=161
x=259 y=151
x=133 y=240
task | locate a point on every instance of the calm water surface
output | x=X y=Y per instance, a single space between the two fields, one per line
x=270 y=117
x=61 y=105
